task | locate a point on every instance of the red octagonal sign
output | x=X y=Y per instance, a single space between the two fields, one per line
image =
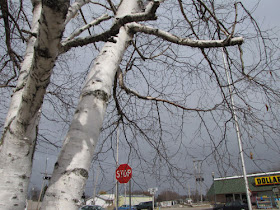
x=123 y=173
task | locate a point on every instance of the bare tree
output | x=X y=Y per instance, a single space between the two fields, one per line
x=160 y=76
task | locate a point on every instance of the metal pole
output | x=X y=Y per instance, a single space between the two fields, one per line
x=130 y=194
x=201 y=197
x=153 y=201
x=215 y=199
x=189 y=190
x=117 y=163
x=43 y=184
x=195 y=175
x=200 y=179
x=117 y=195
x=39 y=199
x=125 y=193
x=248 y=194
x=95 y=185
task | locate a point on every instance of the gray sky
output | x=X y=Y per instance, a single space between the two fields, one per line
x=268 y=16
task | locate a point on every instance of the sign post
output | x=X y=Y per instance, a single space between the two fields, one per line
x=153 y=191
x=123 y=175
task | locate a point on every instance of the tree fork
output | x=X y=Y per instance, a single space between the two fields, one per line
x=78 y=148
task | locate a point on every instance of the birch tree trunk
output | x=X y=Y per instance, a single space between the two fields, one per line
x=71 y=169
x=19 y=136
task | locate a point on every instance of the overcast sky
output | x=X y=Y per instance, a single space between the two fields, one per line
x=268 y=16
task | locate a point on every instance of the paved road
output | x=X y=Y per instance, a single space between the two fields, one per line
x=189 y=208
x=207 y=207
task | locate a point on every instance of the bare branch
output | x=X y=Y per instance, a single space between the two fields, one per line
x=149 y=14
x=82 y=29
x=129 y=91
x=216 y=19
x=114 y=9
x=136 y=27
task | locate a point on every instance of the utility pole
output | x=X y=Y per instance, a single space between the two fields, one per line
x=237 y=133
x=45 y=177
x=215 y=198
x=95 y=185
x=195 y=176
x=198 y=177
x=189 y=190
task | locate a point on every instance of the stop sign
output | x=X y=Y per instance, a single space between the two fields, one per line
x=123 y=173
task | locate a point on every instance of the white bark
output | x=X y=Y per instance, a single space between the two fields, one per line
x=122 y=19
x=136 y=27
x=71 y=169
x=74 y=8
x=13 y=187
x=19 y=135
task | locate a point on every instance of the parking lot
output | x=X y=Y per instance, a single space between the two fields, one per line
x=201 y=207
x=188 y=208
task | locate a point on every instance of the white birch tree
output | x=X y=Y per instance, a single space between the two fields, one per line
x=204 y=27
x=19 y=135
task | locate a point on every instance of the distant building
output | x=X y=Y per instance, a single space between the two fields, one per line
x=167 y=203
x=264 y=188
x=135 y=199
x=104 y=200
